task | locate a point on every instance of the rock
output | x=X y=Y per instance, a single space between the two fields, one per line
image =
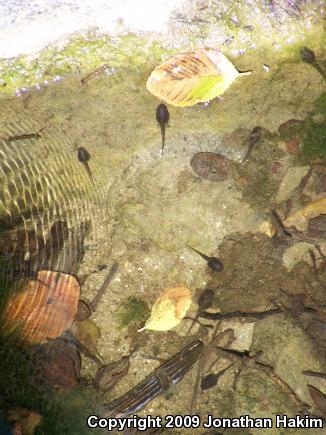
x=286 y=356
x=290 y=181
x=296 y=254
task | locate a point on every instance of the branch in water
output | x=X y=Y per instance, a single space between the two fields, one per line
x=93 y=305
x=236 y=314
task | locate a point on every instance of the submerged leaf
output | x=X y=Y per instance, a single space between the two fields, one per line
x=189 y=78
x=301 y=217
x=211 y=166
x=45 y=308
x=60 y=364
x=169 y=309
x=318 y=397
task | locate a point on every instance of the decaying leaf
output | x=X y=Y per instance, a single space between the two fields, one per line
x=169 y=309
x=211 y=166
x=319 y=398
x=45 y=308
x=84 y=311
x=60 y=364
x=189 y=78
x=87 y=332
x=300 y=218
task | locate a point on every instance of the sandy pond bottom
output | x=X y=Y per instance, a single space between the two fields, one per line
x=142 y=209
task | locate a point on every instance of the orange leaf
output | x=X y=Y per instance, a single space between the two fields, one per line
x=45 y=308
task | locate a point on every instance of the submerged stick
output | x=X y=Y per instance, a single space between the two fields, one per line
x=26 y=136
x=93 y=305
x=236 y=314
x=93 y=74
x=169 y=373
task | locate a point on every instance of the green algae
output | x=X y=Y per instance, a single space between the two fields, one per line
x=133 y=310
x=81 y=55
x=314 y=134
x=314 y=143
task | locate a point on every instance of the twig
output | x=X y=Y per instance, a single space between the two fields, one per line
x=26 y=136
x=93 y=305
x=236 y=314
x=94 y=74
x=281 y=231
x=314 y=374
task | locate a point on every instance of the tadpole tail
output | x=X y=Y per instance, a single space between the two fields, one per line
x=158 y=381
x=318 y=68
x=88 y=171
x=249 y=151
x=205 y=257
x=163 y=136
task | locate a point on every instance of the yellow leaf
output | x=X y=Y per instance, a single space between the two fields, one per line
x=169 y=309
x=189 y=78
x=267 y=228
x=300 y=218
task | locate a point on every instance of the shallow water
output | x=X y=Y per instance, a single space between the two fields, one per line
x=141 y=209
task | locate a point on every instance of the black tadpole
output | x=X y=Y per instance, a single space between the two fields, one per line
x=212 y=262
x=84 y=157
x=162 y=117
x=309 y=56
